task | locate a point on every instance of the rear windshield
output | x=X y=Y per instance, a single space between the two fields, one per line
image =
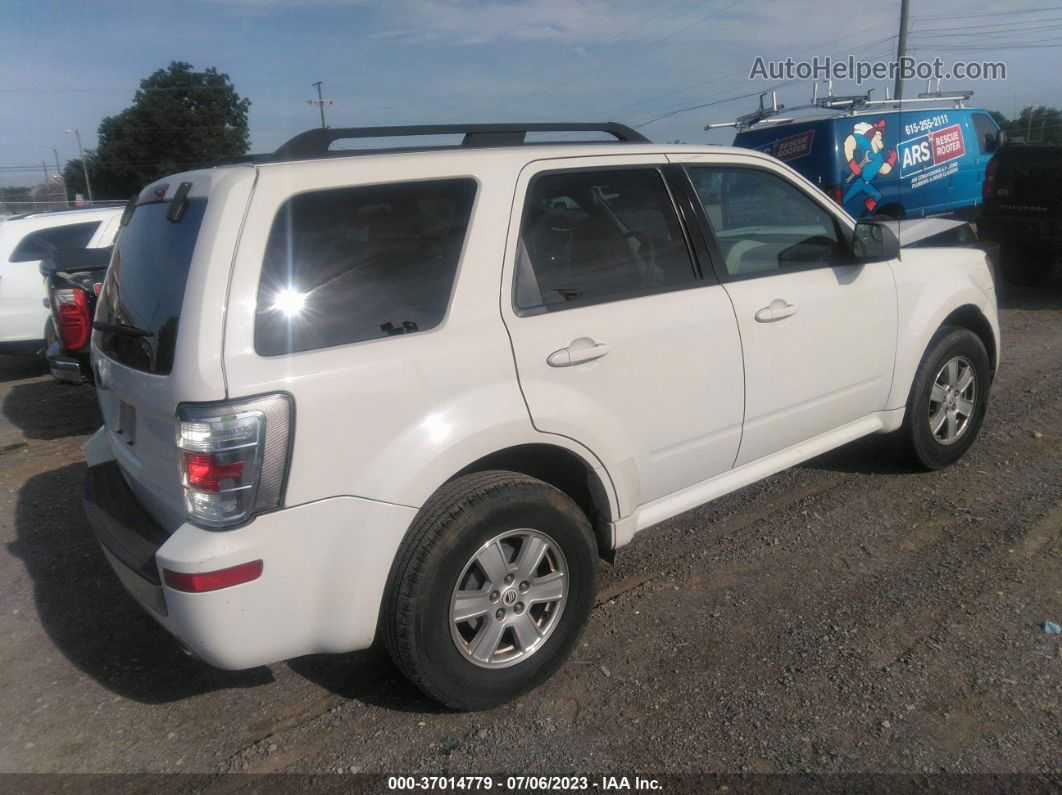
x=353 y=264
x=45 y=242
x=144 y=288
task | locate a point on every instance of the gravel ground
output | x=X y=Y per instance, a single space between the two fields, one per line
x=847 y=615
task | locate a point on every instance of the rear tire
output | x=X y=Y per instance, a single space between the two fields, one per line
x=50 y=336
x=1025 y=265
x=472 y=552
x=948 y=398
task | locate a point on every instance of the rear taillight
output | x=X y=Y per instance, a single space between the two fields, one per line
x=72 y=318
x=233 y=458
x=835 y=192
x=988 y=187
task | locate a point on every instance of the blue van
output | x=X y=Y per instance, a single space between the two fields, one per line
x=904 y=164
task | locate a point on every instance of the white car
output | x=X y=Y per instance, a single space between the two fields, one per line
x=24 y=241
x=418 y=393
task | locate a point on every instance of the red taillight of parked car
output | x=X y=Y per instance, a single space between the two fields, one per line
x=835 y=192
x=72 y=318
x=203 y=471
x=988 y=187
x=202 y=582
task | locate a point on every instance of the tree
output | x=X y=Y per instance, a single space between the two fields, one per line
x=180 y=119
x=1033 y=125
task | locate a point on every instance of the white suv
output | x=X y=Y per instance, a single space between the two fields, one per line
x=416 y=393
x=25 y=240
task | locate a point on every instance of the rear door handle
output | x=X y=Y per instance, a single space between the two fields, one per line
x=581 y=350
x=779 y=309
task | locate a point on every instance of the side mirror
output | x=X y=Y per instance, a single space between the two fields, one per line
x=874 y=241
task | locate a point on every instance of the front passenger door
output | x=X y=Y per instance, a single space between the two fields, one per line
x=818 y=333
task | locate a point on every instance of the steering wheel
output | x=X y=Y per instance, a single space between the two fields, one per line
x=807 y=249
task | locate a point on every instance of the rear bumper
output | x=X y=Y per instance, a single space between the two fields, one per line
x=325 y=566
x=21 y=347
x=72 y=368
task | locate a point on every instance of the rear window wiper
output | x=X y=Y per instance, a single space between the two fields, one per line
x=115 y=328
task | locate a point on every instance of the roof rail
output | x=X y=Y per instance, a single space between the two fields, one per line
x=315 y=142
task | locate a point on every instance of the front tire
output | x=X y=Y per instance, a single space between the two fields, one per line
x=490 y=590
x=947 y=402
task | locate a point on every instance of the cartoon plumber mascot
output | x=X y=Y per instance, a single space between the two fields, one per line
x=867 y=157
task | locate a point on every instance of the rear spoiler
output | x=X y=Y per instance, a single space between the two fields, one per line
x=76 y=260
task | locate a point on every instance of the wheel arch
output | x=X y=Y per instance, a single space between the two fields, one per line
x=970 y=317
x=565 y=470
x=957 y=292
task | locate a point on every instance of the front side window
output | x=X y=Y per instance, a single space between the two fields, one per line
x=45 y=242
x=762 y=223
x=353 y=264
x=592 y=236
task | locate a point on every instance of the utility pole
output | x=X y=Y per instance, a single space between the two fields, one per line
x=45 y=167
x=58 y=170
x=901 y=48
x=84 y=165
x=320 y=102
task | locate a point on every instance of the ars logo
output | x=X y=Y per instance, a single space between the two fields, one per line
x=932 y=149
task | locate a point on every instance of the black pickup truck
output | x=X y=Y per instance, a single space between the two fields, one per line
x=74 y=278
x=1023 y=210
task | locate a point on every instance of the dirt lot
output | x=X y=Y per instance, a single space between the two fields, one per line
x=847 y=615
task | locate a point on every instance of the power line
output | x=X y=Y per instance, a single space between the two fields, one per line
x=987 y=13
x=675 y=112
x=606 y=64
x=980 y=30
x=538 y=70
x=654 y=104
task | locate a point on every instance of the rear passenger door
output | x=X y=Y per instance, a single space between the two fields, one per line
x=819 y=332
x=623 y=339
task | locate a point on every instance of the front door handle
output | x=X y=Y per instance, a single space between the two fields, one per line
x=581 y=350
x=779 y=309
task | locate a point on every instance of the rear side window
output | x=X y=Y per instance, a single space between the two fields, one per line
x=593 y=236
x=354 y=264
x=144 y=288
x=984 y=126
x=45 y=242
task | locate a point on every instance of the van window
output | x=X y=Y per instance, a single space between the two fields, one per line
x=353 y=264
x=762 y=223
x=45 y=242
x=593 y=236
x=983 y=125
x=144 y=287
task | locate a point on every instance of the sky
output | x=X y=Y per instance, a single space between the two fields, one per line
x=640 y=62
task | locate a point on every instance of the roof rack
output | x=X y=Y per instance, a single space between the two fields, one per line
x=316 y=142
x=844 y=105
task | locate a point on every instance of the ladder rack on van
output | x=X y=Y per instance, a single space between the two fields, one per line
x=843 y=105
